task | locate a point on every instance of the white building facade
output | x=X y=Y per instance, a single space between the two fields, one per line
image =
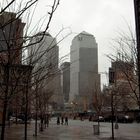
x=44 y=56
x=84 y=77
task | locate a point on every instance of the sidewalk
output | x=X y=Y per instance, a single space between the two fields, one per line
x=76 y=130
x=125 y=131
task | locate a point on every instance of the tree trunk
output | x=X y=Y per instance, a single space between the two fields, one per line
x=26 y=108
x=6 y=68
x=36 y=113
x=41 y=123
x=26 y=114
x=112 y=119
x=36 y=124
x=3 y=120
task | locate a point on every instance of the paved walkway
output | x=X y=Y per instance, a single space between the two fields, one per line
x=125 y=131
x=76 y=130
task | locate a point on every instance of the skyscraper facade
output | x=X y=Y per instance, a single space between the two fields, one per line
x=84 y=77
x=44 y=56
x=65 y=80
x=14 y=75
x=44 y=51
x=11 y=38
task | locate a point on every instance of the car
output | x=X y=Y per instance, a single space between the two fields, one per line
x=98 y=118
x=101 y=118
x=108 y=118
x=124 y=119
x=138 y=119
x=14 y=119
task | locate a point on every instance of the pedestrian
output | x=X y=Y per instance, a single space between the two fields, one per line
x=47 y=120
x=62 y=120
x=58 y=120
x=81 y=118
x=66 y=120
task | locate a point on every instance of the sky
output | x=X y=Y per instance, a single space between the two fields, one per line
x=101 y=18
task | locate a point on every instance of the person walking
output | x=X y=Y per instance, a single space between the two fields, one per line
x=47 y=120
x=62 y=120
x=58 y=120
x=66 y=120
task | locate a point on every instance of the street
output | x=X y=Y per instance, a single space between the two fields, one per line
x=76 y=130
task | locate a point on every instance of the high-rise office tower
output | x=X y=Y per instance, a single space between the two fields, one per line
x=45 y=56
x=84 y=77
x=11 y=38
x=65 y=80
x=44 y=51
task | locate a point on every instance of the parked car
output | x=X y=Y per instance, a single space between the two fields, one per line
x=138 y=119
x=14 y=119
x=119 y=118
x=108 y=118
x=101 y=118
x=98 y=118
x=124 y=119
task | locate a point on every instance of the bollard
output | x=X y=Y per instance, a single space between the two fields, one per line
x=116 y=126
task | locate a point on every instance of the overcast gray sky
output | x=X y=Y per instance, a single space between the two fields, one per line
x=102 y=18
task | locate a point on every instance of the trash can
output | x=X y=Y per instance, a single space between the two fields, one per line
x=96 y=129
x=116 y=126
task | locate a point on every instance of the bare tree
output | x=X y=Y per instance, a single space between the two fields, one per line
x=125 y=65
x=98 y=101
x=12 y=43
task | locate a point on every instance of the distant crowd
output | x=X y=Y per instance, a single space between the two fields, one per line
x=62 y=120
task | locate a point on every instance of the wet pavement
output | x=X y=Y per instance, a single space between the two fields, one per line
x=76 y=130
